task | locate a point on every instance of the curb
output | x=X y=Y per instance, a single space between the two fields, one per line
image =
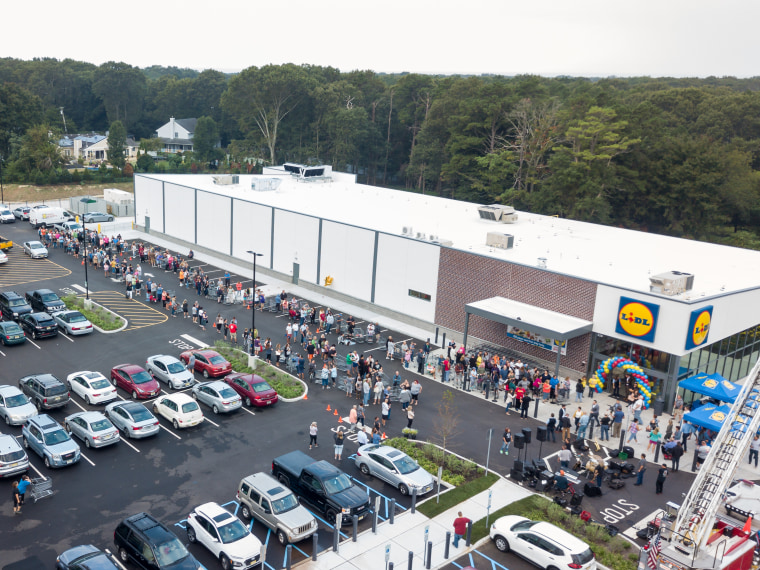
x=118 y=316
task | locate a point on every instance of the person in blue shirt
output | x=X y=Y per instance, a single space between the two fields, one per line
x=376 y=436
x=553 y=382
x=22 y=486
x=226 y=278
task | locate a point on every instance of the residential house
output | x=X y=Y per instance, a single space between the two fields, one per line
x=177 y=135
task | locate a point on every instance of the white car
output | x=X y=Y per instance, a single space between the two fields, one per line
x=35 y=249
x=93 y=428
x=92 y=387
x=6 y=216
x=3 y=257
x=180 y=409
x=169 y=370
x=73 y=323
x=218 y=396
x=541 y=543
x=226 y=537
x=395 y=467
x=15 y=407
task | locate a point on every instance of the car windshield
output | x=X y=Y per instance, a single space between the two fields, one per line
x=406 y=465
x=189 y=407
x=12 y=456
x=56 y=390
x=100 y=425
x=227 y=393
x=170 y=552
x=217 y=360
x=99 y=384
x=337 y=484
x=524 y=525
x=49 y=297
x=584 y=557
x=15 y=401
x=175 y=367
x=262 y=387
x=36 y=245
x=44 y=320
x=232 y=532
x=57 y=436
x=140 y=414
x=76 y=317
x=17 y=303
x=6 y=212
x=141 y=377
x=287 y=503
x=12 y=328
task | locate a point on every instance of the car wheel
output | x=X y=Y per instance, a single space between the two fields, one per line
x=403 y=489
x=331 y=514
x=123 y=555
x=87 y=399
x=47 y=462
x=215 y=408
x=125 y=430
x=134 y=395
x=155 y=409
x=7 y=420
x=110 y=219
x=26 y=443
x=501 y=543
x=191 y=534
x=34 y=335
x=38 y=405
x=224 y=561
x=205 y=374
x=175 y=423
x=281 y=478
x=245 y=511
x=247 y=401
x=67 y=427
x=87 y=443
x=364 y=468
x=282 y=537
x=113 y=381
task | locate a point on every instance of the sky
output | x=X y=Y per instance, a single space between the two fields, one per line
x=590 y=38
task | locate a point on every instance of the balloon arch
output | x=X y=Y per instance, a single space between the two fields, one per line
x=642 y=380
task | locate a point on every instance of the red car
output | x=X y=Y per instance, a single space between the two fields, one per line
x=208 y=362
x=135 y=380
x=253 y=389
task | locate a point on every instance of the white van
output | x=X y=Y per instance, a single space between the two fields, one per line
x=48 y=217
x=6 y=216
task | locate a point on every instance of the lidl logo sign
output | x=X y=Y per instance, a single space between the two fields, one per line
x=699 y=327
x=637 y=319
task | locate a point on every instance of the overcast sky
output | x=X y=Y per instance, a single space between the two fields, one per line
x=682 y=38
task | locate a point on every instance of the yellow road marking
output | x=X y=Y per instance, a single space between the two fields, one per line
x=138 y=314
x=20 y=269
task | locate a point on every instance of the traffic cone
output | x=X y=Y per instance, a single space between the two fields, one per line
x=83 y=262
x=340 y=420
x=328 y=408
x=384 y=436
x=305 y=396
x=335 y=412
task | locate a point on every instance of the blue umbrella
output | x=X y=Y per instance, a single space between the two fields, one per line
x=709 y=416
x=713 y=385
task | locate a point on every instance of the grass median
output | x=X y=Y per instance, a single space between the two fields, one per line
x=96 y=315
x=457 y=495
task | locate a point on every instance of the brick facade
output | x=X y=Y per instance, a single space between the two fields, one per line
x=465 y=278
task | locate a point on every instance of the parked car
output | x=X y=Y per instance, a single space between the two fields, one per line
x=49 y=440
x=22 y=213
x=6 y=216
x=208 y=362
x=169 y=370
x=254 y=390
x=394 y=467
x=93 y=428
x=13 y=305
x=73 y=323
x=134 y=420
x=92 y=387
x=180 y=409
x=45 y=301
x=541 y=543
x=144 y=541
x=218 y=396
x=45 y=391
x=3 y=257
x=267 y=500
x=11 y=333
x=13 y=458
x=86 y=557
x=68 y=227
x=35 y=249
x=38 y=325
x=222 y=533
x=15 y=407
x=97 y=217
x=135 y=380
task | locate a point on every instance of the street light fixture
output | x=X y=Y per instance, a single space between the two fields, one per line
x=86 y=200
x=253 y=299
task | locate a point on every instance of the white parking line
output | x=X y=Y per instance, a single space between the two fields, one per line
x=123 y=440
x=86 y=459
x=170 y=431
x=65 y=336
x=79 y=288
x=1 y=352
x=34 y=343
x=78 y=405
x=205 y=419
x=249 y=411
x=194 y=340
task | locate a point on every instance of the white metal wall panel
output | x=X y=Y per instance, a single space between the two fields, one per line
x=347 y=254
x=180 y=211
x=149 y=202
x=404 y=264
x=214 y=222
x=296 y=239
x=253 y=230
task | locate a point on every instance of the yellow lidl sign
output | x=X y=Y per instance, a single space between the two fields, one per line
x=637 y=319
x=699 y=327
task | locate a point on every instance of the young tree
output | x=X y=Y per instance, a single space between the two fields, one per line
x=117 y=142
x=447 y=422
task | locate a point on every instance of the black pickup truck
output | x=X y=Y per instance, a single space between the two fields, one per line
x=45 y=301
x=321 y=484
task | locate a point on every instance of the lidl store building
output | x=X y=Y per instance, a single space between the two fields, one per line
x=563 y=293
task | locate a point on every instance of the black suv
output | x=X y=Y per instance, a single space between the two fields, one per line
x=13 y=305
x=149 y=544
x=45 y=391
x=45 y=301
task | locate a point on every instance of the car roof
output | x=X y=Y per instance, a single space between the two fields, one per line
x=89 y=375
x=130 y=367
x=179 y=398
x=47 y=379
x=390 y=452
x=215 y=512
x=13 y=295
x=42 y=291
x=164 y=358
x=556 y=534
x=40 y=316
x=89 y=416
x=216 y=384
x=267 y=484
x=44 y=422
x=129 y=405
x=7 y=390
x=206 y=352
x=8 y=443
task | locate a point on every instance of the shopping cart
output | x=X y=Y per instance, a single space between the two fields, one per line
x=40 y=488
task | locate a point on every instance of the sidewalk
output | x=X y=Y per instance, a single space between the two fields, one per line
x=407 y=534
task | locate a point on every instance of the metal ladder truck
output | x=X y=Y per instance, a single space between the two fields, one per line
x=699 y=537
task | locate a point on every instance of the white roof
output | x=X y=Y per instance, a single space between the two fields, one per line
x=602 y=254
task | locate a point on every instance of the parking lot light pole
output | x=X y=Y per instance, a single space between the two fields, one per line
x=253 y=299
x=87 y=200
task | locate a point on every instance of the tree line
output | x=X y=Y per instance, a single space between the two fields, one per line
x=673 y=156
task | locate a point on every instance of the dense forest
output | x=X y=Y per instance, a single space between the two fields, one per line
x=672 y=156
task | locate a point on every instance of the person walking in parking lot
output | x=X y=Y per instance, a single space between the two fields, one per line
x=460 y=528
x=191 y=363
x=313 y=431
x=23 y=485
x=339 y=444
x=16 y=499
x=641 y=469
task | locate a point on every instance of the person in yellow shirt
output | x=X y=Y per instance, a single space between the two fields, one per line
x=592 y=382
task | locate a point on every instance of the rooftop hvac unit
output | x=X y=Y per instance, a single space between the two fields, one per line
x=265 y=184
x=443 y=242
x=542 y=262
x=671 y=283
x=503 y=241
x=304 y=172
x=227 y=179
x=407 y=231
x=498 y=213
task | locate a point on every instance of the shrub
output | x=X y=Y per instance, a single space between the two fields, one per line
x=97 y=316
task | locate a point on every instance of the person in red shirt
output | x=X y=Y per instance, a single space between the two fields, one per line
x=233 y=331
x=460 y=528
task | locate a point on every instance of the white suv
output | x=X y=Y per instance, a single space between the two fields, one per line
x=541 y=543
x=180 y=409
x=226 y=537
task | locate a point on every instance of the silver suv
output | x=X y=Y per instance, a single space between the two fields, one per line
x=264 y=498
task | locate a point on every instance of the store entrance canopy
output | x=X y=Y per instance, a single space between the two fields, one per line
x=557 y=326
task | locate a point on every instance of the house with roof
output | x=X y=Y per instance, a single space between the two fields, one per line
x=84 y=142
x=177 y=135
